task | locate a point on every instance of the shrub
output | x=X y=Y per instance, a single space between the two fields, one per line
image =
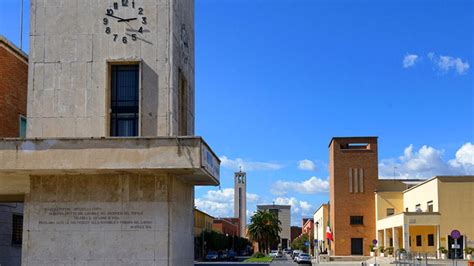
x=258 y=255
x=372 y=248
x=469 y=250
x=381 y=249
x=443 y=250
x=390 y=250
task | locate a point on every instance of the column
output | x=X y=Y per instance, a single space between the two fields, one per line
x=385 y=238
x=438 y=241
x=395 y=239
x=406 y=237
x=379 y=237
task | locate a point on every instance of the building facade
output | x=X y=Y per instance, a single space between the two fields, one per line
x=240 y=200
x=320 y=219
x=353 y=178
x=295 y=231
x=108 y=168
x=421 y=217
x=226 y=227
x=283 y=212
x=13 y=90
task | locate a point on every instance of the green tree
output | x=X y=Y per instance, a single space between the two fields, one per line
x=264 y=229
x=299 y=243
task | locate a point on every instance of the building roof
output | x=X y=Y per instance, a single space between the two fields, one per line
x=273 y=206
x=361 y=138
x=396 y=185
x=445 y=178
x=321 y=206
x=198 y=210
x=13 y=48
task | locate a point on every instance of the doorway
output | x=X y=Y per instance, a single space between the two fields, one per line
x=455 y=253
x=356 y=246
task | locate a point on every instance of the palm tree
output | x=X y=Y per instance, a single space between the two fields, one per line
x=264 y=229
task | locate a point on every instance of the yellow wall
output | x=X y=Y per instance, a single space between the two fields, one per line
x=456 y=204
x=385 y=200
x=202 y=221
x=421 y=195
x=424 y=231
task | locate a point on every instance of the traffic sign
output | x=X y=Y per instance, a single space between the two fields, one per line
x=455 y=234
x=374 y=242
x=306 y=243
x=315 y=241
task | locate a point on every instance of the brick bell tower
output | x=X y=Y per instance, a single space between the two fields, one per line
x=353 y=178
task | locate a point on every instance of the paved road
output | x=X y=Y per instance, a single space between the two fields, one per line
x=280 y=261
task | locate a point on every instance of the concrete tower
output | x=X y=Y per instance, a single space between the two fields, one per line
x=108 y=168
x=240 y=200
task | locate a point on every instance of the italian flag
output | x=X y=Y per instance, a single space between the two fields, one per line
x=328 y=232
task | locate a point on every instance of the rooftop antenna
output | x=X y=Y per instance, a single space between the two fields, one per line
x=240 y=168
x=21 y=26
x=394 y=169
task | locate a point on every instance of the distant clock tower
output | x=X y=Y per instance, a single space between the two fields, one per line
x=240 y=200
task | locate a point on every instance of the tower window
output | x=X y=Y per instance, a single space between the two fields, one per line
x=183 y=105
x=22 y=127
x=124 y=101
x=357 y=220
x=429 y=206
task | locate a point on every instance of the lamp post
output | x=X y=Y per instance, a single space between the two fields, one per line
x=316 y=247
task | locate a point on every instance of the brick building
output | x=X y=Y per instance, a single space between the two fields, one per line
x=307 y=229
x=353 y=178
x=226 y=226
x=13 y=89
x=295 y=231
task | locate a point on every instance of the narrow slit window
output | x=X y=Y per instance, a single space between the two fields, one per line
x=183 y=105
x=124 y=101
x=350 y=181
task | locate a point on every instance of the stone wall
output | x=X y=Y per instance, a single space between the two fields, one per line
x=70 y=55
x=118 y=219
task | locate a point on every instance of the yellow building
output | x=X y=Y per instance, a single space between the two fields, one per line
x=320 y=218
x=202 y=222
x=420 y=217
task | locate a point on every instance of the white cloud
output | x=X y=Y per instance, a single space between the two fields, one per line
x=307 y=165
x=445 y=63
x=310 y=186
x=248 y=165
x=428 y=162
x=299 y=209
x=410 y=60
x=220 y=203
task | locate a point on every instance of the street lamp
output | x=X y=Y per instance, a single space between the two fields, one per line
x=316 y=247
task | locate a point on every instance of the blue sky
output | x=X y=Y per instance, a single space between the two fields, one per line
x=275 y=80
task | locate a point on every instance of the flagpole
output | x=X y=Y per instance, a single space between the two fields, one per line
x=21 y=26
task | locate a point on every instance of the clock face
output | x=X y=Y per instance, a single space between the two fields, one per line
x=125 y=12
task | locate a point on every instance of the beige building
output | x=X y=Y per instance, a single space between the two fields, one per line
x=108 y=168
x=420 y=218
x=283 y=213
x=320 y=218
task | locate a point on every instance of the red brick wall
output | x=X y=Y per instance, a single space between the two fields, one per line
x=13 y=91
x=343 y=203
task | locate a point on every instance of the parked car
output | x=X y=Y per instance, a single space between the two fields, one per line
x=212 y=255
x=295 y=254
x=279 y=254
x=303 y=258
x=231 y=255
x=288 y=251
x=222 y=255
x=273 y=253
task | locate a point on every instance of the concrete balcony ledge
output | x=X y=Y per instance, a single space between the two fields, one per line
x=189 y=158
x=410 y=218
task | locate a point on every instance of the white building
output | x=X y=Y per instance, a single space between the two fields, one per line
x=283 y=213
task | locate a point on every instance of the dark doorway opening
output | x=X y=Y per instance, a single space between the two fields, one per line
x=356 y=246
x=455 y=253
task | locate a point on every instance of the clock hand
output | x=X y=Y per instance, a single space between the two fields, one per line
x=119 y=18
x=127 y=19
